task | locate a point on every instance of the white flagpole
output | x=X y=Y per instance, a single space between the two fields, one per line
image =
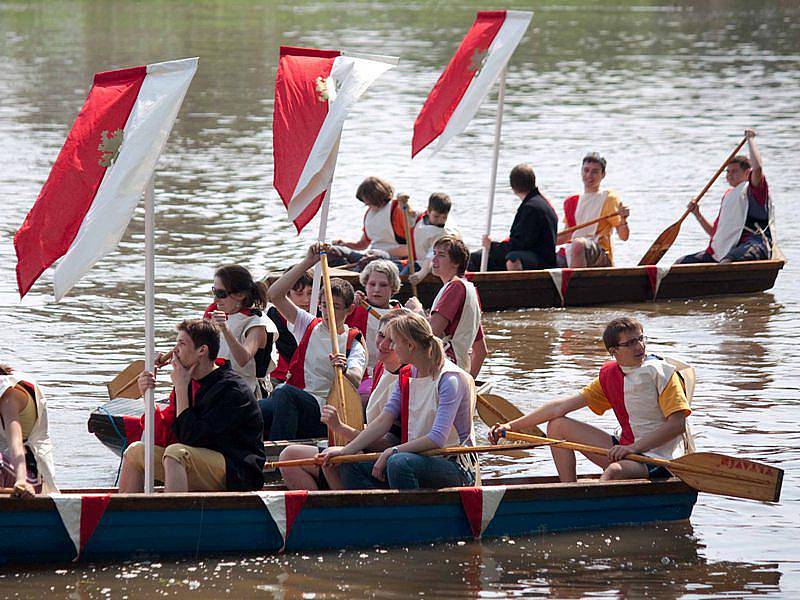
x=323 y=231
x=149 y=330
x=498 y=123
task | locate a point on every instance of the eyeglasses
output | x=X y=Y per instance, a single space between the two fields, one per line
x=219 y=294
x=642 y=339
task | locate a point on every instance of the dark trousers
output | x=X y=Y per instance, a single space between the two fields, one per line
x=291 y=414
x=497 y=258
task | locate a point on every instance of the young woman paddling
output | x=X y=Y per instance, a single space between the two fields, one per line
x=27 y=463
x=456 y=311
x=247 y=334
x=435 y=403
x=386 y=373
x=381 y=280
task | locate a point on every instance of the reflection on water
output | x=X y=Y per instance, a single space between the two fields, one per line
x=663 y=90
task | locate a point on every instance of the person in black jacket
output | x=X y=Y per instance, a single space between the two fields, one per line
x=217 y=428
x=531 y=243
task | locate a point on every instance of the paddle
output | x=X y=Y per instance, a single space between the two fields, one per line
x=370 y=456
x=403 y=200
x=124 y=384
x=343 y=395
x=664 y=241
x=494 y=409
x=371 y=309
x=587 y=223
x=704 y=471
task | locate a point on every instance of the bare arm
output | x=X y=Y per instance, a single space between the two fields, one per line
x=674 y=426
x=477 y=356
x=546 y=412
x=361 y=244
x=756 y=172
x=279 y=291
x=438 y=324
x=254 y=339
x=11 y=405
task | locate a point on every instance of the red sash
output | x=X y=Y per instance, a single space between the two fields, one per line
x=297 y=366
x=612 y=380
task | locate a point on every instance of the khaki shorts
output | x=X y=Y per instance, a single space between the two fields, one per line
x=592 y=251
x=205 y=469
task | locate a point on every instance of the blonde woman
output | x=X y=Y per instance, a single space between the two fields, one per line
x=435 y=403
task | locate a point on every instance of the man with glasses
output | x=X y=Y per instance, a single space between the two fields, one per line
x=590 y=246
x=647 y=396
x=741 y=230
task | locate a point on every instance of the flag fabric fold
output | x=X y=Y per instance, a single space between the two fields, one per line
x=480 y=505
x=314 y=92
x=561 y=278
x=80 y=515
x=284 y=507
x=101 y=172
x=462 y=87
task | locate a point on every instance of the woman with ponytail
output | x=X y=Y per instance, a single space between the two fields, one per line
x=435 y=403
x=247 y=335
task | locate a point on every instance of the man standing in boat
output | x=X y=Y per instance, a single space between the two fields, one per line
x=647 y=396
x=531 y=243
x=210 y=436
x=741 y=230
x=590 y=246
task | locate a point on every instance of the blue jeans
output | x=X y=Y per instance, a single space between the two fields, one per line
x=290 y=414
x=407 y=471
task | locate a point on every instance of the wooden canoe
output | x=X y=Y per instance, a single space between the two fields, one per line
x=505 y=290
x=239 y=523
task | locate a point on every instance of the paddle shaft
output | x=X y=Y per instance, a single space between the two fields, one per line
x=339 y=373
x=409 y=243
x=587 y=223
x=164 y=360
x=671 y=465
x=372 y=456
x=371 y=309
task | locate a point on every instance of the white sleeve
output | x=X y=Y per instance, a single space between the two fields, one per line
x=357 y=359
x=301 y=322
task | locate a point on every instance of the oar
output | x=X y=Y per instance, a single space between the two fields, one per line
x=664 y=241
x=494 y=409
x=403 y=199
x=124 y=384
x=371 y=309
x=370 y=456
x=343 y=395
x=704 y=471
x=587 y=223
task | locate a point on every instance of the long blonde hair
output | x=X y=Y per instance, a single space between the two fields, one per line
x=417 y=330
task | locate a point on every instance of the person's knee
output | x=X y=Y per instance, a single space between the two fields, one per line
x=297 y=451
x=134 y=455
x=558 y=427
x=175 y=454
x=400 y=464
x=513 y=265
x=614 y=471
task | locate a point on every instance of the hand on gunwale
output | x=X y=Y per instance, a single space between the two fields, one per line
x=23 y=489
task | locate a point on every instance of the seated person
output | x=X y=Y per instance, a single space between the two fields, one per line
x=293 y=410
x=590 y=246
x=210 y=436
x=381 y=280
x=456 y=310
x=741 y=230
x=384 y=228
x=387 y=370
x=647 y=397
x=429 y=227
x=531 y=243
x=26 y=462
x=247 y=334
x=300 y=294
x=435 y=403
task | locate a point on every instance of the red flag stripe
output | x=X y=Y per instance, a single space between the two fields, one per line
x=92 y=510
x=52 y=224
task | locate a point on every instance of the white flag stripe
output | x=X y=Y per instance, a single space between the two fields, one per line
x=69 y=509
x=500 y=51
x=492 y=496
x=354 y=76
x=145 y=136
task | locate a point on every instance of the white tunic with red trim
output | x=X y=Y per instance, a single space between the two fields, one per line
x=310 y=368
x=590 y=206
x=730 y=221
x=633 y=394
x=383 y=383
x=464 y=336
x=239 y=324
x=425 y=236
x=378 y=227
x=367 y=324
x=39 y=438
x=419 y=401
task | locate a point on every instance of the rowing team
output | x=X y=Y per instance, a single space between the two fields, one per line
x=421 y=395
x=741 y=230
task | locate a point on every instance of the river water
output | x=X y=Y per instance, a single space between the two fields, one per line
x=663 y=90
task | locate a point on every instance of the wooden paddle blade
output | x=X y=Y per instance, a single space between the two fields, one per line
x=124 y=385
x=729 y=476
x=663 y=243
x=352 y=413
x=493 y=409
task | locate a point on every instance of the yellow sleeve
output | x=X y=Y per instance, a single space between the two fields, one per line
x=673 y=398
x=595 y=398
x=611 y=206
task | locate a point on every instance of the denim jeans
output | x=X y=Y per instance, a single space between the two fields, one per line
x=291 y=413
x=407 y=471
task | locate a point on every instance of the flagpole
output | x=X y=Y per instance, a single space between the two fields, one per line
x=149 y=330
x=323 y=231
x=498 y=123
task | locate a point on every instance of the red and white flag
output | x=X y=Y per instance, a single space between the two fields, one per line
x=80 y=515
x=480 y=505
x=314 y=92
x=284 y=507
x=101 y=172
x=465 y=83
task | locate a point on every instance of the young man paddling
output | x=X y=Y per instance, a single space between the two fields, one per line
x=644 y=391
x=209 y=438
x=741 y=230
x=293 y=410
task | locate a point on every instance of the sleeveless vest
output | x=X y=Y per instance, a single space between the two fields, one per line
x=462 y=339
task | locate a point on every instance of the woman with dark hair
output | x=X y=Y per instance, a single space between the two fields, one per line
x=26 y=462
x=247 y=335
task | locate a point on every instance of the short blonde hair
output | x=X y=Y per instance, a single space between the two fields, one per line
x=416 y=329
x=384 y=267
